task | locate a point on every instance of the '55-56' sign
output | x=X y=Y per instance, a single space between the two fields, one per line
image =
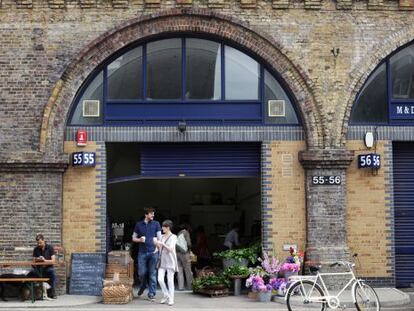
x=83 y=159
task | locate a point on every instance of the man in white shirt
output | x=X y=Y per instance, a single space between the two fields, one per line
x=232 y=237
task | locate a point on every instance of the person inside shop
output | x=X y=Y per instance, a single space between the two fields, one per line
x=144 y=233
x=201 y=248
x=45 y=254
x=168 y=261
x=183 y=249
x=232 y=237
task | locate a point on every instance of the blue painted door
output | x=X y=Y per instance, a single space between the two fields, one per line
x=403 y=162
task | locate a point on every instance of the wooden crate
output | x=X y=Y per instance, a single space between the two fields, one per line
x=125 y=271
x=213 y=292
x=119 y=257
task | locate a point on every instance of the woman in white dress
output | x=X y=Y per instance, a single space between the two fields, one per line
x=168 y=262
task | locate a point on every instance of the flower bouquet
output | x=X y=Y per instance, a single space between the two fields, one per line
x=261 y=285
x=279 y=285
x=291 y=266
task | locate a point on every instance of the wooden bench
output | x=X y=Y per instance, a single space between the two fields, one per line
x=31 y=282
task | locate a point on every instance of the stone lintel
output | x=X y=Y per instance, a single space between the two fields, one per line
x=326 y=158
x=33 y=167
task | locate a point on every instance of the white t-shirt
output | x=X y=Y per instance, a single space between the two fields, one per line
x=232 y=239
x=169 y=258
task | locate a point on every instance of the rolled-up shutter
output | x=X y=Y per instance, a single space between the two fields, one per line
x=403 y=161
x=200 y=160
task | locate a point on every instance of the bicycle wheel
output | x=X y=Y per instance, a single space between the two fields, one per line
x=305 y=294
x=366 y=298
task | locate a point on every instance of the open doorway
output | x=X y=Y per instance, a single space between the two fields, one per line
x=211 y=202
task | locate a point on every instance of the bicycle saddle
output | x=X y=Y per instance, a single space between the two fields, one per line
x=314 y=269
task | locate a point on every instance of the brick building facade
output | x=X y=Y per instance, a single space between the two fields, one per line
x=324 y=51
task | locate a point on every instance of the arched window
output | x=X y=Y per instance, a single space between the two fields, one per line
x=170 y=80
x=388 y=95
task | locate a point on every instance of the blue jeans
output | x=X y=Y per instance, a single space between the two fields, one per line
x=147 y=272
x=50 y=273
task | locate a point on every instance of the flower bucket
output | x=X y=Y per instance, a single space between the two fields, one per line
x=287 y=274
x=265 y=296
x=281 y=292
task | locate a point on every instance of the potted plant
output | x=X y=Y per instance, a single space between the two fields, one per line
x=239 y=256
x=214 y=282
x=236 y=271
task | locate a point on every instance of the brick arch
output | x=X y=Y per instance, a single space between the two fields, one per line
x=198 y=21
x=366 y=66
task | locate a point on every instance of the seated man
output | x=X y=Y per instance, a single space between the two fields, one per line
x=44 y=253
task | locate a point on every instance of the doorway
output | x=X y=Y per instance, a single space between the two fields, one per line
x=156 y=175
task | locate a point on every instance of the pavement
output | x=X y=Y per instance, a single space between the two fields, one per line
x=391 y=299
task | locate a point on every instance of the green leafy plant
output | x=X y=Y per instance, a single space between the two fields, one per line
x=210 y=281
x=236 y=270
x=250 y=253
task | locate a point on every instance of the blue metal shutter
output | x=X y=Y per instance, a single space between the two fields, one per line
x=200 y=160
x=404 y=213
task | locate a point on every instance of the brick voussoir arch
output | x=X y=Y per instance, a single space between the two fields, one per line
x=365 y=67
x=176 y=21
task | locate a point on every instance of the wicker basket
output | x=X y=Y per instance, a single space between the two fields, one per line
x=117 y=294
x=205 y=271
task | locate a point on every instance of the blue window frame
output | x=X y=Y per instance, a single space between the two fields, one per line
x=387 y=97
x=188 y=79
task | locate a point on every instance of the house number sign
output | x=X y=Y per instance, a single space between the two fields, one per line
x=330 y=180
x=83 y=159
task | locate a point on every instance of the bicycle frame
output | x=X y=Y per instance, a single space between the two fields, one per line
x=333 y=301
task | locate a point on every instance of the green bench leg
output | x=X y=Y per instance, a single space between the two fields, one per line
x=32 y=291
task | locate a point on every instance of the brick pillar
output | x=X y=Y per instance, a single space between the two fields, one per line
x=326 y=205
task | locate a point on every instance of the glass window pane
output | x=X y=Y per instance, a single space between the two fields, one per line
x=94 y=91
x=371 y=104
x=402 y=73
x=241 y=74
x=274 y=91
x=125 y=76
x=203 y=69
x=164 y=69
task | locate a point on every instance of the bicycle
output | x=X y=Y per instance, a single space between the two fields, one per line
x=306 y=292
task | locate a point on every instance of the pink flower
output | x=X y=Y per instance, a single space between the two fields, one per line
x=292 y=267
x=270 y=264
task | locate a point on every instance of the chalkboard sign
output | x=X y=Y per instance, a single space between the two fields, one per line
x=87 y=273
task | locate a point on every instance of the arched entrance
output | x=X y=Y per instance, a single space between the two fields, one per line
x=85 y=191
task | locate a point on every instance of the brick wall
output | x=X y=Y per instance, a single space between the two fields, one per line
x=39 y=45
x=30 y=203
x=84 y=207
x=48 y=49
x=287 y=196
x=368 y=214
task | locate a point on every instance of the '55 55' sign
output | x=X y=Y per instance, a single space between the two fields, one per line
x=83 y=159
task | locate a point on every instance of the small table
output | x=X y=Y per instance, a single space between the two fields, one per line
x=38 y=266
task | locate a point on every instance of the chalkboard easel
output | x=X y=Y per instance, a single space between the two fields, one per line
x=87 y=273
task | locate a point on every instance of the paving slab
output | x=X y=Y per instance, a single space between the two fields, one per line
x=389 y=297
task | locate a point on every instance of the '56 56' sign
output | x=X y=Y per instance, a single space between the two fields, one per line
x=83 y=159
x=371 y=160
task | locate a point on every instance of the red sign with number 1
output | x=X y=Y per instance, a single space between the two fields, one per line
x=81 y=137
